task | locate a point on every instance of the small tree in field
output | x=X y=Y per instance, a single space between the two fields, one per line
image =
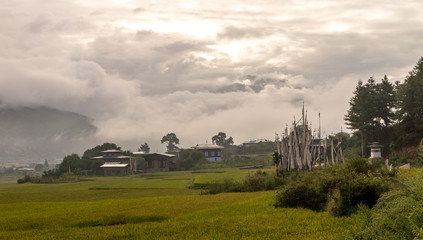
x=276 y=160
x=171 y=140
x=70 y=163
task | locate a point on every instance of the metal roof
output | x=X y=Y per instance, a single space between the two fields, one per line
x=112 y=151
x=114 y=165
x=111 y=157
x=374 y=145
x=142 y=154
x=25 y=169
x=256 y=141
x=207 y=146
x=138 y=153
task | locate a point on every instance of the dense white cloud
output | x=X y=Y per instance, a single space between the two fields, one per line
x=141 y=69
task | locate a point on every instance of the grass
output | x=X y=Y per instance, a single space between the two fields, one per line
x=205 y=177
x=9 y=179
x=155 y=206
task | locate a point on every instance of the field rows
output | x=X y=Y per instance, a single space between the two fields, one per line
x=125 y=207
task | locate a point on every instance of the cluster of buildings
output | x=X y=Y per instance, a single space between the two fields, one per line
x=115 y=163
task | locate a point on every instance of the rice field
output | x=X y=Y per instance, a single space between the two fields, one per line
x=155 y=206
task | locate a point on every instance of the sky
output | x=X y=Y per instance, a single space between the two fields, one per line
x=141 y=69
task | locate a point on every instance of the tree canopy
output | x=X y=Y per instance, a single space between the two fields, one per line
x=70 y=163
x=371 y=106
x=189 y=158
x=93 y=165
x=410 y=105
x=371 y=110
x=86 y=162
x=388 y=113
x=144 y=148
x=220 y=139
x=171 y=140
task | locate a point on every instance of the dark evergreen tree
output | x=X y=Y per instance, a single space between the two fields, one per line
x=410 y=107
x=371 y=111
x=144 y=148
x=358 y=116
x=385 y=102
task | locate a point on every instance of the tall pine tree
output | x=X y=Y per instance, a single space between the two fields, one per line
x=410 y=107
x=371 y=110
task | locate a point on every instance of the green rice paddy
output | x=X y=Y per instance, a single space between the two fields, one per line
x=155 y=206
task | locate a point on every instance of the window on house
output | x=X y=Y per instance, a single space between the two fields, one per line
x=212 y=154
x=162 y=164
x=218 y=153
x=206 y=153
x=150 y=164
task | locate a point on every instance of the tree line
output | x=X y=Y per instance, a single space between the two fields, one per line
x=391 y=114
x=172 y=141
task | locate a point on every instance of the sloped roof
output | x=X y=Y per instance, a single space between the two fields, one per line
x=112 y=151
x=111 y=157
x=138 y=153
x=114 y=165
x=207 y=146
x=256 y=141
x=142 y=154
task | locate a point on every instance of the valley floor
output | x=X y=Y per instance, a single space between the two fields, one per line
x=155 y=206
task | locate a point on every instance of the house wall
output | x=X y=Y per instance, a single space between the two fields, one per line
x=212 y=154
x=121 y=160
x=116 y=171
x=128 y=161
x=156 y=163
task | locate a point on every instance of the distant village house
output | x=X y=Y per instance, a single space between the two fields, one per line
x=115 y=163
x=255 y=142
x=212 y=152
x=157 y=162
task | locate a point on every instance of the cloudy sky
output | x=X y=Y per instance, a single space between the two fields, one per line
x=141 y=69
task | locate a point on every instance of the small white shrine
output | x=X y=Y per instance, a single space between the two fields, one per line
x=375 y=150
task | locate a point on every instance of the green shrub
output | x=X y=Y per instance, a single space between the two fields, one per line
x=228 y=185
x=25 y=179
x=260 y=181
x=416 y=220
x=389 y=219
x=49 y=177
x=80 y=172
x=398 y=214
x=358 y=165
x=303 y=195
x=358 y=189
x=21 y=180
x=254 y=183
x=189 y=158
x=52 y=173
x=338 y=189
x=401 y=159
